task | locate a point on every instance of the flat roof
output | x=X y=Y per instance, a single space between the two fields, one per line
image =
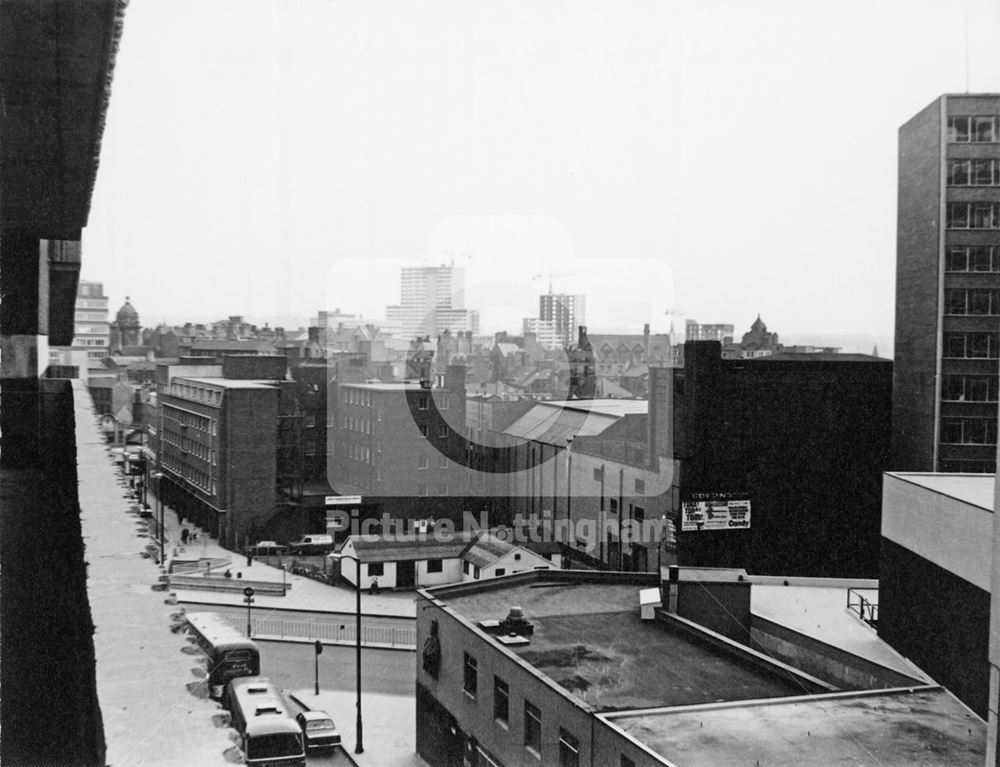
x=974 y=489
x=919 y=727
x=589 y=639
x=231 y=383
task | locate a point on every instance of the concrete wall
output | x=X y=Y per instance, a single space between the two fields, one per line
x=918 y=261
x=829 y=663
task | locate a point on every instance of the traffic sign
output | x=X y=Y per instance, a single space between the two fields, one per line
x=248 y=591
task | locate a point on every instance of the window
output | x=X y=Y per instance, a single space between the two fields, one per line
x=421 y=461
x=375 y=569
x=613 y=505
x=964 y=301
x=626 y=762
x=501 y=701
x=421 y=490
x=423 y=430
x=475 y=571
x=442 y=461
x=500 y=571
x=959 y=388
x=971 y=345
x=973 y=215
x=969 y=431
x=638 y=513
x=435 y=566
x=421 y=403
x=533 y=728
x=979 y=129
x=640 y=486
x=470 y=676
x=959 y=172
x=443 y=431
x=465 y=567
x=569 y=749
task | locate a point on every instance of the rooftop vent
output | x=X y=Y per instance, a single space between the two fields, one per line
x=515 y=623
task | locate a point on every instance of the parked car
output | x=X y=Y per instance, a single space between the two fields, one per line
x=319 y=730
x=263 y=548
x=312 y=544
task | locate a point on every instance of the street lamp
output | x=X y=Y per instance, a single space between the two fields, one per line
x=359 y=748
x=248 y=598
x=284 y=589
x=659 y=546
x=158 y=475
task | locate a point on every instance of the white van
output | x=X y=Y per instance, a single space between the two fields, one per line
x=312 y=544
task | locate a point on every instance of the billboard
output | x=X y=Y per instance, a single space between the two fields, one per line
x=715 y=511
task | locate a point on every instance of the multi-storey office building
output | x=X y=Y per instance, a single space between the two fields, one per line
x=217 y=452
x=948 y=287
x=431 y=301
x=390 y=443
x=565 y=311
x=91 y=329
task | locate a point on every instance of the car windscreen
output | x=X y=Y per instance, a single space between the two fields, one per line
x=320 y=724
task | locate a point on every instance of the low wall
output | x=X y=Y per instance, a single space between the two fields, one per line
x=832 y=664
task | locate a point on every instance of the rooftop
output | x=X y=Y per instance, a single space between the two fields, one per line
x=589 y=639
x=231 y=383
x=907 y=729
x=557 y=422
x=974 y=489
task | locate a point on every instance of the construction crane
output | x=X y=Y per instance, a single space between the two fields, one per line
x=550 y=275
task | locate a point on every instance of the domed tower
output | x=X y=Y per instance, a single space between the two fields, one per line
x=126 y=330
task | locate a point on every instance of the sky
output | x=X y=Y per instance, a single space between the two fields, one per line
x=671 y=159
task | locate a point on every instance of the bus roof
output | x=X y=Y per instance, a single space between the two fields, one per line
x=218 y=631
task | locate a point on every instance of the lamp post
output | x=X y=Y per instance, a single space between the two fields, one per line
x=158 y=475
x=659 y=546
x=248 y=598
x=359 y=747
x=284 y=589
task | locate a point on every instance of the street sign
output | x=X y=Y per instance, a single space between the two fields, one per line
x=248 y=591
x=343 y=500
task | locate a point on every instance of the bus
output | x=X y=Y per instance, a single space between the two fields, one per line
x=230 y=654
x=269 y=736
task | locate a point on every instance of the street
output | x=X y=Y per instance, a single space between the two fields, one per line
x=238 y=615
x=291 y=665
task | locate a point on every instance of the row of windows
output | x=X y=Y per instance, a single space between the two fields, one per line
x=973 y=172
x=973 y=215
x=976 y=345
x=423 y=462
x=193 y=447
x=191 y=391
x=200 y=478
x=191 y=420
x=968 y=467
x=957 y=388
x=357 y=452
x=972 y=301
x=362 y=425
x=436 y=490
x=976 y=129
x=357 y=397
x=969 y=431
x=972 y=258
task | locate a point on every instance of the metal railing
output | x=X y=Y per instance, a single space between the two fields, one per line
x=866 y=609
x=399 y=637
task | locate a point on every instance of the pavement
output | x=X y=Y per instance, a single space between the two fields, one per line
x=303 y=594
x=389 y=731
x=144 y=670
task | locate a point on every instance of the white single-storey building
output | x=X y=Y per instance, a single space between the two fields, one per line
x=418 y=561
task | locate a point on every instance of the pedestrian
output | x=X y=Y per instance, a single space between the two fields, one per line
x=184 y=535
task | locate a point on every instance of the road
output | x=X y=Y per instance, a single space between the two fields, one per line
x=292 y=665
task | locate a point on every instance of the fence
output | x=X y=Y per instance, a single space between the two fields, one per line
x=342 y=632
x=867 y=609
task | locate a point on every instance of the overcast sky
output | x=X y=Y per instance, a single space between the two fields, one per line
x=714 y=158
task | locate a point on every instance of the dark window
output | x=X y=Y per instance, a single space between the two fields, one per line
x=532 y=727
x=443 y=431
x=435 y=565
x=983 y=129
x=501 y=701
x=958 y=215
x=981 y=259
x=470 y=676
x=598 y=474
x=626 y=762
x=421 y=403
x=958 y=129
x=423 y=430
x=969 y=431
x=638 y=513
x=375 y=568
x=958 y=172
x=613 y=505
x=465 y=567
x=957 y=260
x=569 y=749
x=984 y=172
x=475 y=571
x=640 y=486
x=501 y=571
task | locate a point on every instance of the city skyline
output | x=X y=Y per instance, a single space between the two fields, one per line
x=650 y=150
